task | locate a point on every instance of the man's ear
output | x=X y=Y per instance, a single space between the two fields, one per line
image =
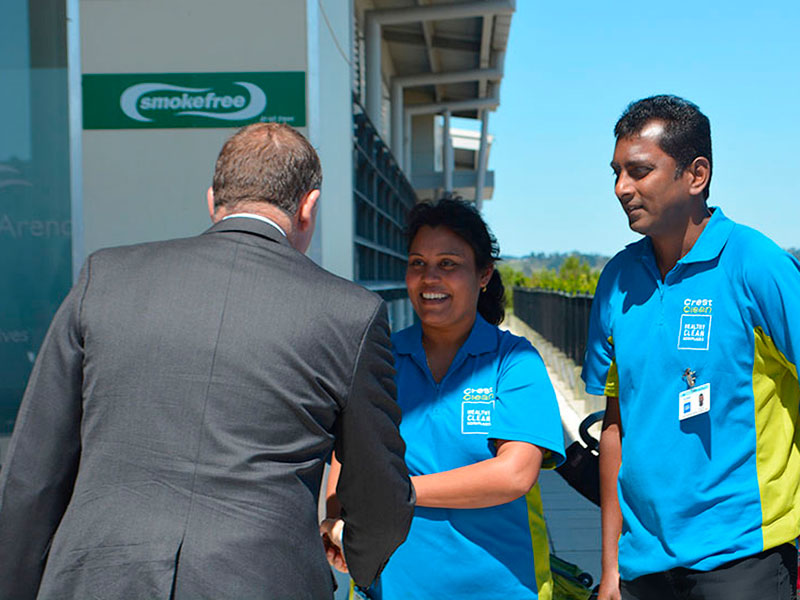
x=307 y=211
x=210 y=201
x=700 y=172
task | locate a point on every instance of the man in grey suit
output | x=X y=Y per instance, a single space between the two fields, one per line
x=172 y=438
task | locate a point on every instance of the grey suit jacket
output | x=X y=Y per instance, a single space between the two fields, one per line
x=172 y=438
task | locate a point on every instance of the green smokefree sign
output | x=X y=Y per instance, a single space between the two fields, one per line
x=170 y=100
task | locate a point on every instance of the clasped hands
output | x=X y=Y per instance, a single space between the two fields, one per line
x=331 y=531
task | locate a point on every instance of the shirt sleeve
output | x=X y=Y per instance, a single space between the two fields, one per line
x=374 y=488
x=526 y=409
x=599 y=367
x=774 y=284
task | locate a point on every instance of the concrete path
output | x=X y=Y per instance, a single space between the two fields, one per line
x=573 y=523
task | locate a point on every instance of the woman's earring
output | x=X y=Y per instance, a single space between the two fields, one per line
x=483 y=289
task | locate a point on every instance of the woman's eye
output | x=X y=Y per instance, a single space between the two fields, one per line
x=415 y=263
x=447 y=263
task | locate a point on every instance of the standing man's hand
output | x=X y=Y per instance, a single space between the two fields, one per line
x=332 y=531
x=609 y=587
x=611 y=515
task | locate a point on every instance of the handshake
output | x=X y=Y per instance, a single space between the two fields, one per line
x=332 y=532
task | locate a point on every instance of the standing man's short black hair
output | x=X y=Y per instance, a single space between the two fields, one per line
x=687 y=131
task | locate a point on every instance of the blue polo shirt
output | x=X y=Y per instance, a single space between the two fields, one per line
x=496 y=388
x=699 y=491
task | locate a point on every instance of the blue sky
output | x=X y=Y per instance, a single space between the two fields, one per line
x=572 y=67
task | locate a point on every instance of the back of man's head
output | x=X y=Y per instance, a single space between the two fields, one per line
x=266 y=162
x=687 y=131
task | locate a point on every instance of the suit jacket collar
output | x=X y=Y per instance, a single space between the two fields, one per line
x=251 y=227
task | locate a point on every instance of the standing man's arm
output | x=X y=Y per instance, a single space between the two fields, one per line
x=39 y=471
x=610 y=460
x=374 y=490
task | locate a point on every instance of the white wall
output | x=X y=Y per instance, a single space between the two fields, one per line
x=148 y=184
x=332 y=132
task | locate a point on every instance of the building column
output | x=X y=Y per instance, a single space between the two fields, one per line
x=447 y=155
x=482 y=159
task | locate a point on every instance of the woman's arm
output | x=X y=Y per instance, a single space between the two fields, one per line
x=332 y=527
x=333 y=508
x=497 y=480
x=503 y=478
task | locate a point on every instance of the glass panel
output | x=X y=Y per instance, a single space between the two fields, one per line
x=35 y=226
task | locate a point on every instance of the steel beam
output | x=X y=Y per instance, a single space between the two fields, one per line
x=372 y=55
x=483 y=154
x=397 y=133
x=441 y=12
x=449 y=77
x=375 y=19
x=474 y=104
x=448 y=155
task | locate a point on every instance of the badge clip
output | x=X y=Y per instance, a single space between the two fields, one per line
x=689 y=377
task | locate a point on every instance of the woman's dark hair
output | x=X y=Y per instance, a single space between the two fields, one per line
x=463 y=219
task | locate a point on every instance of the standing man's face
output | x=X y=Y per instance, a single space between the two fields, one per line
x=656 y=203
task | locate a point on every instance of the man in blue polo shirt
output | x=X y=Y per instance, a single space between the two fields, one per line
x=694 y=339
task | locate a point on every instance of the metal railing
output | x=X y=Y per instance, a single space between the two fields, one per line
x=382 y=196
x=561 y=318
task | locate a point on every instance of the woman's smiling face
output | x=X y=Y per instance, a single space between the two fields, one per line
x=442 y=279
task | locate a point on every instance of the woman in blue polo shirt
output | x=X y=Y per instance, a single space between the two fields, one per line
x=480 y=419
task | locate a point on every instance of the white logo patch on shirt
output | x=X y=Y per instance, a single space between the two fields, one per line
x=695 y=332
x=476 y=410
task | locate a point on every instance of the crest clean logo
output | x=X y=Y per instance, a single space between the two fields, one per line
x=175 y=100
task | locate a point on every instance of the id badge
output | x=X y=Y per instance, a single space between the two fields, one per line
x=694 y=401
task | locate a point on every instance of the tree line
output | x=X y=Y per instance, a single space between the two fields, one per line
x=570 y=273
x=573 y=276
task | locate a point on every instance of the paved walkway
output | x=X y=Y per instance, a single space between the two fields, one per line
x=573 y=523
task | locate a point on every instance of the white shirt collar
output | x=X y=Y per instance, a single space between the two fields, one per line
x=258 y=218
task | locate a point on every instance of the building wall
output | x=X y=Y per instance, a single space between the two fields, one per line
x=332 y=130
x=149 y=184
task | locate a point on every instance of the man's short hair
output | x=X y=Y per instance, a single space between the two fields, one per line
x=266 y=162
x=687 y=131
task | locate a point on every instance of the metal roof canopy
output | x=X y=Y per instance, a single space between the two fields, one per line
x=437 y=37
x=451 y=53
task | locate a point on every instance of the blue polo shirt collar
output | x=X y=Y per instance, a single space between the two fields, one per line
x=712 y=240
x=707 y=247
x=482 y=339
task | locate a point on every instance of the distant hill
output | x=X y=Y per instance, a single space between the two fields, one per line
x=536 y=261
